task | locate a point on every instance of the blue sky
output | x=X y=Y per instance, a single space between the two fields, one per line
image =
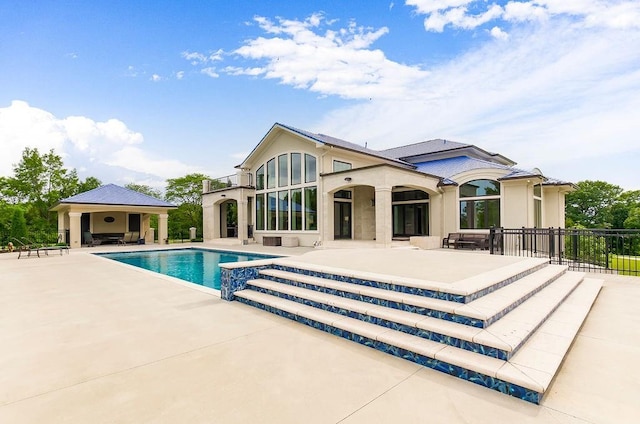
x=144 y=91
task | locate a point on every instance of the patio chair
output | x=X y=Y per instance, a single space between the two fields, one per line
x=89 y=240
x=23 y=246
x=43 y=247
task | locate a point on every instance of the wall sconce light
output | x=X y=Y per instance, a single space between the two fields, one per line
x=223 y=195
x=347 y=179
x=373 y=202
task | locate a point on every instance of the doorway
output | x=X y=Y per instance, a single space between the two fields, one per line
x=341 y=220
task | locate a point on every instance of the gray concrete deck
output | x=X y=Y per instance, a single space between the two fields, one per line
x=83 y=339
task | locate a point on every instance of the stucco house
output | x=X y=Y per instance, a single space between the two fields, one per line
x=316 y=189
x=111 y=211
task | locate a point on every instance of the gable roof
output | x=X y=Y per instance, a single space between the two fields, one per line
x=330 y=141
x=112 y=194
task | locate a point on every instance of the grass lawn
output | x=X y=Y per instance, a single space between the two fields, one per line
x=626 y=265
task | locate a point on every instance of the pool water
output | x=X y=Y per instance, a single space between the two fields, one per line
x=197 y=266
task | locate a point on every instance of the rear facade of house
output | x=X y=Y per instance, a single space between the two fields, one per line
x=312 y=189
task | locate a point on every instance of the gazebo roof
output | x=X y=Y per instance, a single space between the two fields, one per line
x=112 y=194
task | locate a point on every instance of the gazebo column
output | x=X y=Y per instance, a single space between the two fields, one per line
x=163 y=228
x=75 y=229
x=384 y=217
x=62 y=228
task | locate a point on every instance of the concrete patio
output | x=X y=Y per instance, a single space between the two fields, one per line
x=85 y=339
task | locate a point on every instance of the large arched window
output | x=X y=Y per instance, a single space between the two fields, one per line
x=286 y=193
x=479 y=204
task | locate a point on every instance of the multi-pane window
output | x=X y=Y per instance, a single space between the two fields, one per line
x=292 y=206
x=480 y=204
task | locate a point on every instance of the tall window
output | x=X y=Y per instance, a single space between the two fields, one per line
x=271 y=173
x=283 y=174
x=480 y=204
x=292 y=206
x=537 y=205
x=309 y=168
x=260 y=211
x=311 y=208
x=296 y=168
x=260 y=178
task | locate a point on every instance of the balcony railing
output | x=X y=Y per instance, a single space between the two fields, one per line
x=234 y=180
x=589 y=250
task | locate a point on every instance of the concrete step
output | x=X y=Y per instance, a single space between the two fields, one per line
x=527 y=375
x=479 y=313
x=500 y=340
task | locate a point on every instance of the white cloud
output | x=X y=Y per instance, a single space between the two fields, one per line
x=456 y=13
x=338 y=61
x=546 y=96
x=156 y=78
x=498 y=33
x=109 y=148
x=560 y=87
x=179 y=75
x=210 y=71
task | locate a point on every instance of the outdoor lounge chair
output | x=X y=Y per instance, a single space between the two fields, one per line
x=44 y=248
x=89 y=240
x=25 y=247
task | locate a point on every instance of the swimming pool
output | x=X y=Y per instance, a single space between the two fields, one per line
x=199 y=266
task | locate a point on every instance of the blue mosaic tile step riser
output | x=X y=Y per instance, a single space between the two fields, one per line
x=456 y=371
x=414 y=331
x=460 y=319
x=411 y=290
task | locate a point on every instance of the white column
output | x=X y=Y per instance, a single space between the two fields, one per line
x=242 y=220
x=75 y=230
x=208 y=223
x=163 y=228
x=384 y=217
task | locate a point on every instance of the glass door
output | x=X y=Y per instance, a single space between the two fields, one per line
x=341 y=220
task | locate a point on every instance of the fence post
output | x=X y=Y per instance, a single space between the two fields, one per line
x=552 y=244
x=492 y=235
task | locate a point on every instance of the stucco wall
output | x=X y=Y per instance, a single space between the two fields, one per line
x=117 y=226
x=364 y=213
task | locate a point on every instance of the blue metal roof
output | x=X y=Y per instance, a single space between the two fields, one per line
x=112 y=194
x=447 y=168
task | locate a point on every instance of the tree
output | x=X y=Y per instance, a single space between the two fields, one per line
x=18 y=225
x=633 y=220
x=186 y=193
x=625 y=203
x=591 y=204
x=39 y=181
x=149 y=191
x=144 y=189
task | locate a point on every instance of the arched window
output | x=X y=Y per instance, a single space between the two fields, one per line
x=479 y=204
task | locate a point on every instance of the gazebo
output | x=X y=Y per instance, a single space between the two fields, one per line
x=110 y=211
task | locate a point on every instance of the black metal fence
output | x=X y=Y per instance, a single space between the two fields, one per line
x=590 y=250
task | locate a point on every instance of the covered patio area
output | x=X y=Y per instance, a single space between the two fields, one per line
x=108 y=213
